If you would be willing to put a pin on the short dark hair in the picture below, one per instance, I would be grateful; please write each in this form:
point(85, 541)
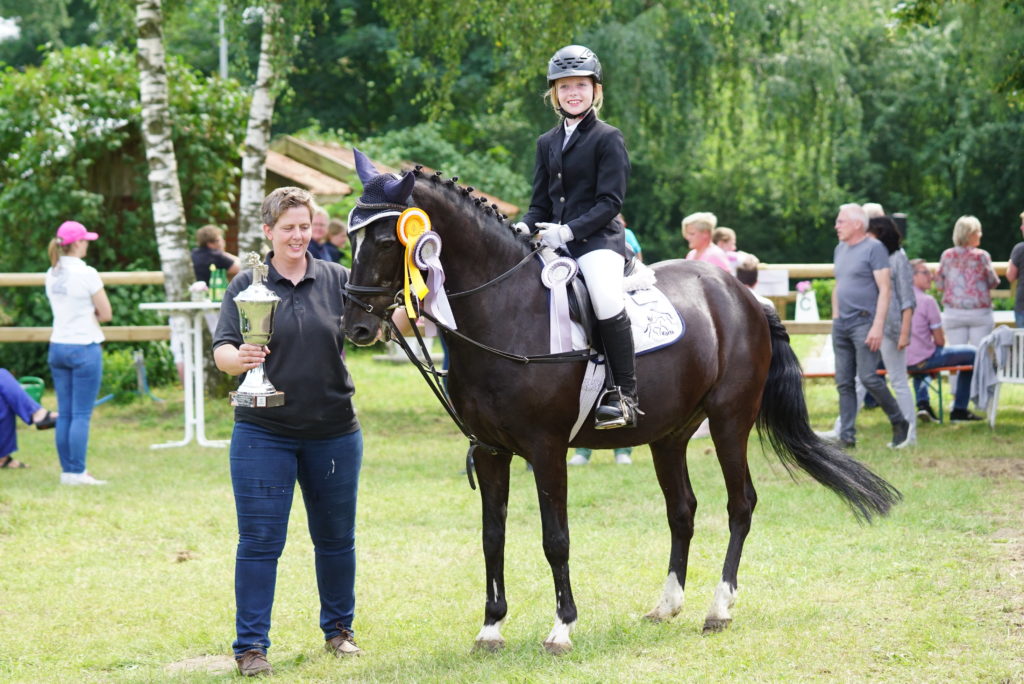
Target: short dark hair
point(884, 228)
point(746, 269)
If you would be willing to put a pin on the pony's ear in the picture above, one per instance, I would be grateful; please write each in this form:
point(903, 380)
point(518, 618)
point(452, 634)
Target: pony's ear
point(364, 167)
point(398, 191)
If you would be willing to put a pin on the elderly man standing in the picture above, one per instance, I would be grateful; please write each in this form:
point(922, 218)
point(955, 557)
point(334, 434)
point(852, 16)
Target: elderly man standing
point(860, 301)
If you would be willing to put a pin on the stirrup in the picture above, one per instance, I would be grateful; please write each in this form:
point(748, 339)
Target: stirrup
point(622, 410)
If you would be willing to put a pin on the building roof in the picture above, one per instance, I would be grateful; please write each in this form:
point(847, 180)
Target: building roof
point(325, 188)
point(344, 157)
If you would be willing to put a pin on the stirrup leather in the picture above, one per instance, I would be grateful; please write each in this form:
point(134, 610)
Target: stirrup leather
point(615, 410)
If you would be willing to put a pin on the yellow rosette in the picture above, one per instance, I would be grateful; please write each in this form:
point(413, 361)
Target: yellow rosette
point(412, 223)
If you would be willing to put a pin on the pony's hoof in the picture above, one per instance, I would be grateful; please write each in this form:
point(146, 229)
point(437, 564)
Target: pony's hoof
point(656, 616)
point(558, 648)
point(712, 625)
point(488, 645)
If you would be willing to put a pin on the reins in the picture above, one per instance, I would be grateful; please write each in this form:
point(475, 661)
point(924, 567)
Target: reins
point(370, 291)
point(435, 378)
point(498, 279)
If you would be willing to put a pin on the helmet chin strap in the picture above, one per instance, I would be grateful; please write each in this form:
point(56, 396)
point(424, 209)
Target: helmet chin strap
point(567, 115)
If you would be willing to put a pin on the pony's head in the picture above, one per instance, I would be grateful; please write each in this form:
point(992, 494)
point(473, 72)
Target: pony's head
point(476, 237)
point(376, 251)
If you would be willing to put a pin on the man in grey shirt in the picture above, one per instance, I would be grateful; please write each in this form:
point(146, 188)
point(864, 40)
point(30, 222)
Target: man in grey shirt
point(860, 301)
point(1015, 272)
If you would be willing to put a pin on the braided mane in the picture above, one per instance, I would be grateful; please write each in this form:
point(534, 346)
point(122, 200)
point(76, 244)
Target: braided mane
point(462, 195)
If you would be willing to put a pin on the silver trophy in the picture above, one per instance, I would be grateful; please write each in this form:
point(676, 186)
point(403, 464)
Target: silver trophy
point(256, 306)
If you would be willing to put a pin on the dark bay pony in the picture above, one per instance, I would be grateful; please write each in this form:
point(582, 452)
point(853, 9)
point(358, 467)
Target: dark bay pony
point(734, 365)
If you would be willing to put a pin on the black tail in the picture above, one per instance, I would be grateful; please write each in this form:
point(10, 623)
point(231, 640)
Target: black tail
point(783, 419)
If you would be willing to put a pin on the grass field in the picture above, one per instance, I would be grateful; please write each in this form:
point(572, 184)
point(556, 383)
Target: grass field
point(124, 582)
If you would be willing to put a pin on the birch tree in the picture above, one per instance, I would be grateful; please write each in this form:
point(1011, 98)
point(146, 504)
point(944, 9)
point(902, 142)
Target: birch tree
point(168, 207)
point(277, 45)
point(257, 136)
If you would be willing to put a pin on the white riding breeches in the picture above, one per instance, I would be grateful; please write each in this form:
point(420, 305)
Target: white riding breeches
point(602, 269)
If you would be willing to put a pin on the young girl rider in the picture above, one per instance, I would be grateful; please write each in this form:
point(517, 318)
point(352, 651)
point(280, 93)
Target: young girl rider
point(579, 184)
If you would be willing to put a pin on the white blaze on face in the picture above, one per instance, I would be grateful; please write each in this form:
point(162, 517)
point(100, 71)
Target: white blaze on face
point(354, 238)
point(725, 598)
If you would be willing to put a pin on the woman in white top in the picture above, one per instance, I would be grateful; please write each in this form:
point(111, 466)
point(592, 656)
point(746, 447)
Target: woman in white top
point(79, 304)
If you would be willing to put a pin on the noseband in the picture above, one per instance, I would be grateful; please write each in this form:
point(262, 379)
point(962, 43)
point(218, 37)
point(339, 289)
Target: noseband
point(353, 292)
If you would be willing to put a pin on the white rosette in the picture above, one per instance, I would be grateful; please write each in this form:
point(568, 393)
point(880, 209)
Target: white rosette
point(427, 257)
point(556, 276)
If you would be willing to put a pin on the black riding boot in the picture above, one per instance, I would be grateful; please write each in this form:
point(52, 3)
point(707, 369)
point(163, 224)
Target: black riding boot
point(618, 407)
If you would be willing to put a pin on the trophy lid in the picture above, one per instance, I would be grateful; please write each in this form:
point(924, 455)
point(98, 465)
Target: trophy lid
point(257, 290)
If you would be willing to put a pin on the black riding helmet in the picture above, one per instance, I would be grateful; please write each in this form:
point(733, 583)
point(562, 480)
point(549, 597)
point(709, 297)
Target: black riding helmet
point(574, 60)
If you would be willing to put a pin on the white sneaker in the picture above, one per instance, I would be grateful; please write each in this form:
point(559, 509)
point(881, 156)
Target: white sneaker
point(80, 479)
point(827, 434)
point(623, 459)
point(579, 459)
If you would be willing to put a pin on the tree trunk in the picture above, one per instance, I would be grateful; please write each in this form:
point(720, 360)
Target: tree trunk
point(168, 207)
point(257, 139)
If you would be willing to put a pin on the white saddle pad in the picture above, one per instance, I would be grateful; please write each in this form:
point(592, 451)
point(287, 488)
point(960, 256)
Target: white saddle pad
point(655, 323)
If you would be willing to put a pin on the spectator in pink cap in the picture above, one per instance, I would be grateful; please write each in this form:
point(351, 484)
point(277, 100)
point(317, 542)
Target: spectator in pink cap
point(79, 304)
point(73, 231)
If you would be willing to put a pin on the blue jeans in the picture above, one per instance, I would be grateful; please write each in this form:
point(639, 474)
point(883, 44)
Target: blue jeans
point(855, 360)
point(585, 452)
point(950, 355)
point(1018, 319)
point(264, 468)
point(77, 373)
point(14, 402)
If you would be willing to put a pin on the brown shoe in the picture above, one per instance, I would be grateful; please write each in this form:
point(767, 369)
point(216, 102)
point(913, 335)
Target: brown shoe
point(253, 663)
point(343, 645)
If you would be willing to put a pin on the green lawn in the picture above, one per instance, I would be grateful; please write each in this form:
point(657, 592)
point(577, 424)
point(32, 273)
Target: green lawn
point(118, 583)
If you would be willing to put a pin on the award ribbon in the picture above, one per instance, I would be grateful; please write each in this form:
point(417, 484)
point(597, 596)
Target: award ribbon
point(426, 257)
point(556, 276)
point(412, 223)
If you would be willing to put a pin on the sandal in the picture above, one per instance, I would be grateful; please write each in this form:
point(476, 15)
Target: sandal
point(48, 421)
point(9, 461)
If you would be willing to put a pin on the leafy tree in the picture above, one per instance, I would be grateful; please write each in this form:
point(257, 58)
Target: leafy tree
point(71, 147)
point(51, 23)
point(434, 37)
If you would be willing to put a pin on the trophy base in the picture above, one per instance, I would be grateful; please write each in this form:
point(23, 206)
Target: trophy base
point(246, 400)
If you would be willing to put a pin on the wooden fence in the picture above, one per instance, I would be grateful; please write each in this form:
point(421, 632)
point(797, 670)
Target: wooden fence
point(140, 333)
point(113, 333)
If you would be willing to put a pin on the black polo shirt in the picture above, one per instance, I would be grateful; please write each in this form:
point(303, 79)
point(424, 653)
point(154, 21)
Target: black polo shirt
point(305, 360)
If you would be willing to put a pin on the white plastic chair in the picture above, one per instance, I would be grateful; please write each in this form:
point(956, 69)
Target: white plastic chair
point(1011, 370)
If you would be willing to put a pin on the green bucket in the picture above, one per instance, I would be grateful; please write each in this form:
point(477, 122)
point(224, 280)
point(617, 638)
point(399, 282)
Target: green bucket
point(33, 386)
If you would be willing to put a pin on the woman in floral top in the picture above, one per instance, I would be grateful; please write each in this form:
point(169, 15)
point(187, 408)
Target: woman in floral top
point(965, 277)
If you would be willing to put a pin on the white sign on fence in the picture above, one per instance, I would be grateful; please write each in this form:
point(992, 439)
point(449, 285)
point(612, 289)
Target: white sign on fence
point(807, 306)
point(773, 283)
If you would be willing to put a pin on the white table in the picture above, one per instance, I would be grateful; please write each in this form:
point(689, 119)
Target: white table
point(195, 383)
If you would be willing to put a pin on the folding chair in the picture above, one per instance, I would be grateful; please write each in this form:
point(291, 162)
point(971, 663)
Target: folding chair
point(1011, 371)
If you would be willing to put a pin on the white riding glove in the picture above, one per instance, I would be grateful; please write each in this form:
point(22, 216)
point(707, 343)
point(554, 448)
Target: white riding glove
point(521, 228)
point(555, 235)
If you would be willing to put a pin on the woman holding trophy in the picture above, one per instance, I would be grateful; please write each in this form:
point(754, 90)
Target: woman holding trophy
point(300, 428)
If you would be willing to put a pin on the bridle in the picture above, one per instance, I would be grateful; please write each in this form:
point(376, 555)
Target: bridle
point(435, 378)
point(379, 291)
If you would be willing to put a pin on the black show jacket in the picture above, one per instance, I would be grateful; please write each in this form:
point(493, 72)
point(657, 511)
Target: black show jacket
point(582, 186)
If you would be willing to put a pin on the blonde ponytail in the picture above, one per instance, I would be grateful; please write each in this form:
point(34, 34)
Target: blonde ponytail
point(55, 251)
